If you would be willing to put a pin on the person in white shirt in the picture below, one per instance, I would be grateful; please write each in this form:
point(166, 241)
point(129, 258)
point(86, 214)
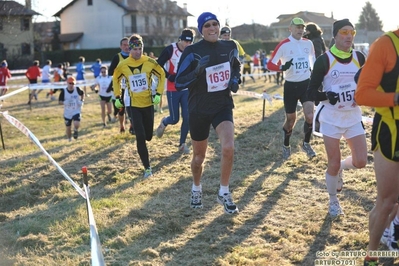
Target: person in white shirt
point(295, 55)
point(46, 75)
point(72, 98)
point(102, 82)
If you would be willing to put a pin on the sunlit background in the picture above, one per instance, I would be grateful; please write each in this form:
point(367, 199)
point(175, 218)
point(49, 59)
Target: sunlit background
point(252, 11)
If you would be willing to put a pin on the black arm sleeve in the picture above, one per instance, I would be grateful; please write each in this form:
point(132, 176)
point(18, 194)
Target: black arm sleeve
point(165, 55)
point(114, 63)
point(320, 69)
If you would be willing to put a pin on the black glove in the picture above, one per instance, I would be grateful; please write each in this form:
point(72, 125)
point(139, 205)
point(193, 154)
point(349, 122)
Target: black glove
point(287, 65)
point(233, 84)
point(110, 88)
point(332, 97)
point(202, 63)
point(172, 77)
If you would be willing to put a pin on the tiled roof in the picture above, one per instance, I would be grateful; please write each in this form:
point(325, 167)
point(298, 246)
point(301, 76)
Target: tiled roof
point(150, 6)
point(12, 8)
point(70, 37)
point(318, 18)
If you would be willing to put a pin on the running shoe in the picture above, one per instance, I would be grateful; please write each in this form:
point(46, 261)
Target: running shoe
point(394, 245)
point(340, 183)
point(109, 118)
point(161, 128)
point(196, 199)
point(147, 172)
point(122, 130)
point(335, 209)
point(286, 152)
point(183, 148)
point(386, 236)
point(75, 134)
point(308, 149)
point(227, 201)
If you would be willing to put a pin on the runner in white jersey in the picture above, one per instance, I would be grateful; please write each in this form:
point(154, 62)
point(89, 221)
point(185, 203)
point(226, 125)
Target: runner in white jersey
point(295, 55)
point(338, 114)
point(102, 83)
point(72, 98)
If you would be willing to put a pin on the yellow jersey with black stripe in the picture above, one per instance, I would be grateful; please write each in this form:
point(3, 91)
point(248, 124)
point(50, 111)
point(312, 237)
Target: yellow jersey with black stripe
point(139, 75)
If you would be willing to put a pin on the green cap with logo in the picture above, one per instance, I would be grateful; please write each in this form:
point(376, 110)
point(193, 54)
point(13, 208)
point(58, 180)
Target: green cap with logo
point(297, 21)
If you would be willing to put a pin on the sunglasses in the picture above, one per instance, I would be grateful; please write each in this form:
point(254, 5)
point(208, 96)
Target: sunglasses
point(71, 83)
point(346, 32)
point(208, 25)
point(103, 72)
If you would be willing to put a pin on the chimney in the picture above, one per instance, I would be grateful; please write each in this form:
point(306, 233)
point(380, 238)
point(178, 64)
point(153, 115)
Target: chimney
point(28, 4)
point(125, 3)
point(185, 6)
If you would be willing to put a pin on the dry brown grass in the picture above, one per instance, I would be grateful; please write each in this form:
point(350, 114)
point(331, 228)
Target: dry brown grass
point(283, 205)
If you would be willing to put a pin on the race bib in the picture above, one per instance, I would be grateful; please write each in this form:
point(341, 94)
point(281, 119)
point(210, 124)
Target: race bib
point(346, 92)
point(301, 63)
point(71, 105)
point(138, 83)
point(217, 77)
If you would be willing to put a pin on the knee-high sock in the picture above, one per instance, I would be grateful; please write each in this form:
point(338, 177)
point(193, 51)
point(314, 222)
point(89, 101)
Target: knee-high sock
point(331, 182)
point(307, 129)
point(287, 136)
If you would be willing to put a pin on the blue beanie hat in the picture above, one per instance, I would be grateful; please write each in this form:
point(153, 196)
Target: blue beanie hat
point(203, 18)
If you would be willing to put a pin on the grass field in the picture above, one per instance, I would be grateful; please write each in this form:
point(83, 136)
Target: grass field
point(283, 217)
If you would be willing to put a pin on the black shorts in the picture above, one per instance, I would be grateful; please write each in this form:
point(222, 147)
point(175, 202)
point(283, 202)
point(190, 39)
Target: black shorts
point(106, 99)
point(384, 135)
point(200, 124)
point(68, 122)
point(294, 91)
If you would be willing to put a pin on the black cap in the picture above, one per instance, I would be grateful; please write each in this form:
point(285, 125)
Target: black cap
point(339, 24)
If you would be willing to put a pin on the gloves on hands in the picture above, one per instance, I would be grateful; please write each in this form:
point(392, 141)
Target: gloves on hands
point(172, 78)
point(332, 97)
point(202, 63)
point(156, 99)
point(233, 84)
point(287, 65)
point(119, 103)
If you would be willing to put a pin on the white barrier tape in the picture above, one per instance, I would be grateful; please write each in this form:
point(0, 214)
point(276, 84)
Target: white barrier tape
point(60, 85)
point(53, 85)
point(97, 258)
point(90, 75)
point(14, 92)
point(16, 123)
point(263, 96)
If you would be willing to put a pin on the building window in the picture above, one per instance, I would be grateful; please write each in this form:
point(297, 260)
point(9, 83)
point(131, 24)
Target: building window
point(159, 23)
point(1, 23)
point(89, 2)
point(146, 24)
point(133, 24)
point(25, 48)
point(25, 23)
